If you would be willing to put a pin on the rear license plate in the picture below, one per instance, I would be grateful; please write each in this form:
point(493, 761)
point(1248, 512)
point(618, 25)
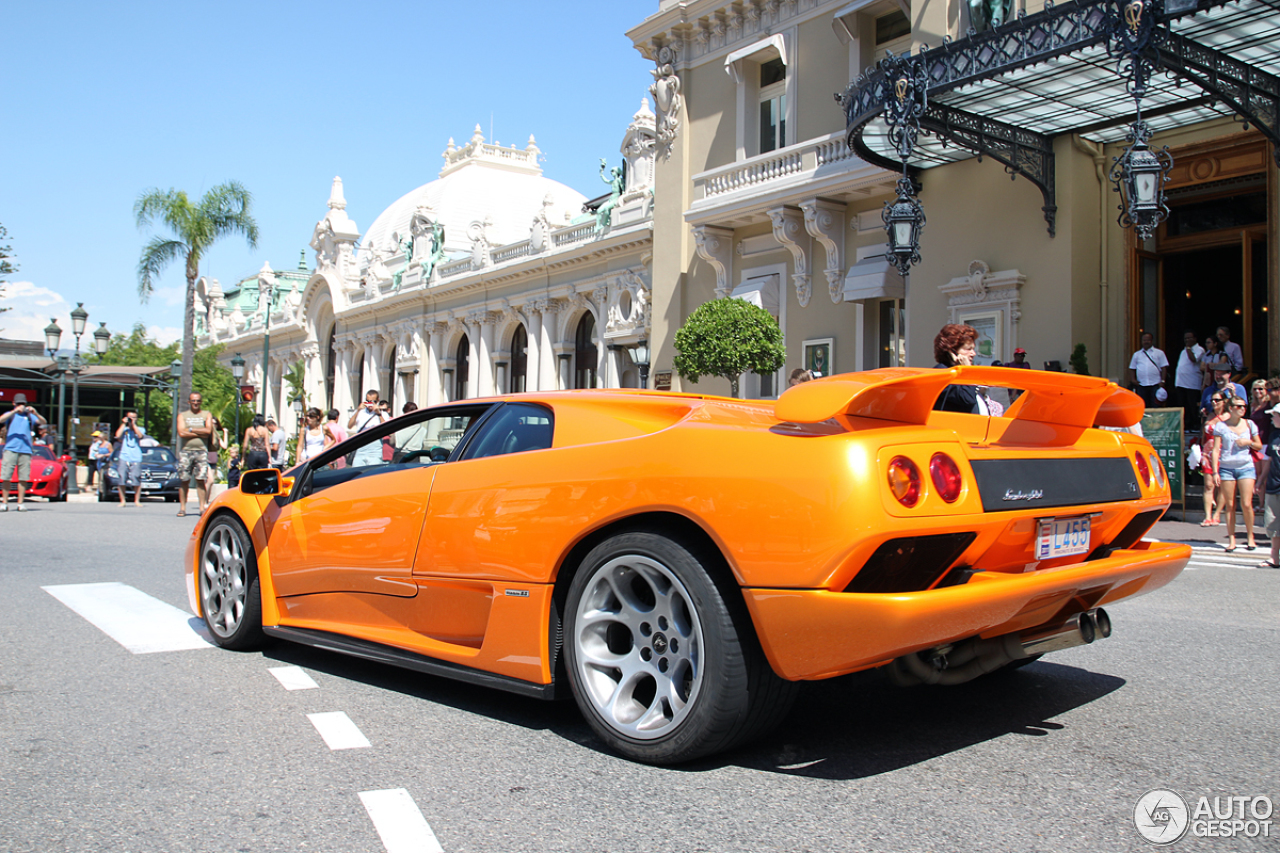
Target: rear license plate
point(152, 485)
point(1062, 537)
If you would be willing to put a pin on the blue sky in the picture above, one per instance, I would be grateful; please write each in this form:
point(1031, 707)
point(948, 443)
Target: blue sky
point(103, 102)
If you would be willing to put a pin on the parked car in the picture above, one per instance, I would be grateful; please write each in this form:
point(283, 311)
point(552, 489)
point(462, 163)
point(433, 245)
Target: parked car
point(49, 474)
point(680, 562)
point(158, 475)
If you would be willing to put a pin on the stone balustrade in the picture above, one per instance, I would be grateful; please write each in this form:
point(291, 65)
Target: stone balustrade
point(795, 162)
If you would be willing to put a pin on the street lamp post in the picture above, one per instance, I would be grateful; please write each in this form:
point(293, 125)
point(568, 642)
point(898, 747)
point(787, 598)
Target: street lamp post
point(175, 374)
point(639, 352)
point(299, 439)
point(274, 291)
point(52, 337)
point(237, 371)
point(78, 319)
point(101, 340)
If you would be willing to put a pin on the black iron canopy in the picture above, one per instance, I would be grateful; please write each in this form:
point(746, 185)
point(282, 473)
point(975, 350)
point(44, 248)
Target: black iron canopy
point(1007, 92)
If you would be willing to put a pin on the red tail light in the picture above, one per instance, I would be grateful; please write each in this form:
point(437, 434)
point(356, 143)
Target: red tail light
point(1144, 470)
point(904, 481)
point(945, 474)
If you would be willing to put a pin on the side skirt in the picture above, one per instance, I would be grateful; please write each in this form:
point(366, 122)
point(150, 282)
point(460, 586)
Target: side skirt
point(408, 660)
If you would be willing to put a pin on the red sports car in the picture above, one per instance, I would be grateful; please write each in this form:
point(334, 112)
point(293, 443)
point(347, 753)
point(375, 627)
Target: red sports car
point(48, 475)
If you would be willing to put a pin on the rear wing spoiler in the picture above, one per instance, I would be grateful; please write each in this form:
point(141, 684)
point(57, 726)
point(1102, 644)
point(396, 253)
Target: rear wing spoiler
point(907, 394)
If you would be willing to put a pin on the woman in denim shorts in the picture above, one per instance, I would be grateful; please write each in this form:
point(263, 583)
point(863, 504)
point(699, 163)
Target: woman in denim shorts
point(1233, 467)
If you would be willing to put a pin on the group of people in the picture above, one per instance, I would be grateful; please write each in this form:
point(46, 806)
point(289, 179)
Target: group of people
point(265, 444)
point(1240, 446)
point(1198, 369)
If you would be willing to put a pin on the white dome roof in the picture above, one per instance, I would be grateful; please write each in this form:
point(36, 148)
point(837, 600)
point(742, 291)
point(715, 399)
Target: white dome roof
point(480, 180)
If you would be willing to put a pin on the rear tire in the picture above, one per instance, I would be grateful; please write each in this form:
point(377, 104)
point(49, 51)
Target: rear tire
point(661, 656)
point(230, 598)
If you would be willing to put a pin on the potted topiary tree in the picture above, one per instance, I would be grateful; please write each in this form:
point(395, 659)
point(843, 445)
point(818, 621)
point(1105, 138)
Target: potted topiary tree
point(727, 338)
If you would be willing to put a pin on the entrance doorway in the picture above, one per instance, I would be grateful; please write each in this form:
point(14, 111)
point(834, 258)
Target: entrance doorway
point(1208, 267)
point(1209, 286)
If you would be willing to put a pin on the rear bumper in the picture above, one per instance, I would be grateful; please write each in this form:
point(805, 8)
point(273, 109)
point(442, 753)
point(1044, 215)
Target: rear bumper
point(811, 634)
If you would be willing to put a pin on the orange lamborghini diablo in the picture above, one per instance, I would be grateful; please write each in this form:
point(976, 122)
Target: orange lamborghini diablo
point(680, 562)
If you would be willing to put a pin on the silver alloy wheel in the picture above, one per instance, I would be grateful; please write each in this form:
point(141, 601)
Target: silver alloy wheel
point(639, 646)
point(224, 581)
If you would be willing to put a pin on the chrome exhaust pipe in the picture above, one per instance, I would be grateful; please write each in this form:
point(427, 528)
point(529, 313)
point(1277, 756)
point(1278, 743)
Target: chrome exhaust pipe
point(1103, 622)
point(1080, 630)
point(956, 663)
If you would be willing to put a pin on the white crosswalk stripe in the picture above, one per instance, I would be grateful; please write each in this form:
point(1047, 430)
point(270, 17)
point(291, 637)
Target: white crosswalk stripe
point(1217, 557)
point(141, 623)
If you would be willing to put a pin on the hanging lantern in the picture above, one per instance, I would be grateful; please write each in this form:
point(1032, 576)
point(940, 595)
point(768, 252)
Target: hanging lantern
point(903, 222)
point(1139, 175)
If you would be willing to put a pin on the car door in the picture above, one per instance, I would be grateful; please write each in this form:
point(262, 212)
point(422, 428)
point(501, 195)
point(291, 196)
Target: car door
point(354, 518)
point(489, 504)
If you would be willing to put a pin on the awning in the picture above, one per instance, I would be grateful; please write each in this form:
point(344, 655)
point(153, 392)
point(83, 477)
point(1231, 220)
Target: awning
point(873, 278)
point(42, 372)
point(1006, 93)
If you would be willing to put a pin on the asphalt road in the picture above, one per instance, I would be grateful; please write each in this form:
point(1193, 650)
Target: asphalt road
point(205, 750)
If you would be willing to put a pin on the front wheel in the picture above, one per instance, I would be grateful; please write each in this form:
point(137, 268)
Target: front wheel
point(659, 665)
point(229, 595)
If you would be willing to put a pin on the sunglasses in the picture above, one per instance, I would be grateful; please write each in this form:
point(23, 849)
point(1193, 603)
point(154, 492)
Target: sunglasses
point(1237, 405)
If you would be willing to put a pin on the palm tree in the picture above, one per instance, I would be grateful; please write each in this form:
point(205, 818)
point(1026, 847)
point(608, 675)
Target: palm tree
point(223, 210)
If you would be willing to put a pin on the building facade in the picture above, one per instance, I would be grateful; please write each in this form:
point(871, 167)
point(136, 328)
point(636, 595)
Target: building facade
point(763, 171)
point(489, 279)
point(770, 189)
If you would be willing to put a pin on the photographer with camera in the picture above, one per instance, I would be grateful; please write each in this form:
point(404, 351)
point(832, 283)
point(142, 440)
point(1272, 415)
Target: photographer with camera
point(22, 421)
point(367, 416)
point(129, 464)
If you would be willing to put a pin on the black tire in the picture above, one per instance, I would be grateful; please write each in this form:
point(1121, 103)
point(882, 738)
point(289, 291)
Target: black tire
point(660, 653)
point(230, 599)
point(102, 496)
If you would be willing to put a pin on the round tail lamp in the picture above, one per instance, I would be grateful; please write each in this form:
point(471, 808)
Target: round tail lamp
point(945, 474)
point(904, 481)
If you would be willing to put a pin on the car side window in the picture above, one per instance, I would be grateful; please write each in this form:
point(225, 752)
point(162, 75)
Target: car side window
point(420, 441)
point(516, 428)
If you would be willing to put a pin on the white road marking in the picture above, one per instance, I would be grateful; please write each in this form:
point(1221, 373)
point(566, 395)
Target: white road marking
point(338, 731)
point(293, 677)
point(399, 822)
point(1217, 557)
point(135, 620)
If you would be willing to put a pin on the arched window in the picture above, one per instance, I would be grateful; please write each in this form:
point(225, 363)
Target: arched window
point(330, 366)
point(462, 358)
point(519, 360)
point(585, 357)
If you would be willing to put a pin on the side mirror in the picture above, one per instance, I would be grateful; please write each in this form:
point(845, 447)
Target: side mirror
point(263, 481)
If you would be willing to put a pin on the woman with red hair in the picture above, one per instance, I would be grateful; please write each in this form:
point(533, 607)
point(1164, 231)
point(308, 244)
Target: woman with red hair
point(955, 346)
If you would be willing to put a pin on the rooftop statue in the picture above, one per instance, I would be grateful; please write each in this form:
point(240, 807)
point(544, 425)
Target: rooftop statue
point(404, 247)
point(988, 14)
point(617, 181)
point(427, 235)
point(377, 272)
